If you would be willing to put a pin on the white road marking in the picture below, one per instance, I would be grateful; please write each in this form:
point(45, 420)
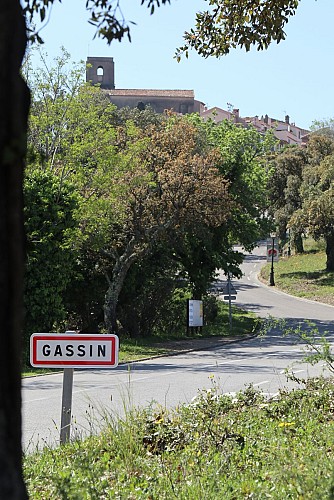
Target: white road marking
point(293, 371)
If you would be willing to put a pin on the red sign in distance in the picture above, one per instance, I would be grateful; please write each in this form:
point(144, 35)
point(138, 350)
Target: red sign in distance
point(55, 350)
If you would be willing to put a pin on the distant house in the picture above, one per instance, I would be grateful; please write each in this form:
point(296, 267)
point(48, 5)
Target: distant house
point(217, 114)
point(100, 70)
point(284, 131)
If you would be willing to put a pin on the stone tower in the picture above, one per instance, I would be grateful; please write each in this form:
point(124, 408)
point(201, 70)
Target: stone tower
point(101, 70)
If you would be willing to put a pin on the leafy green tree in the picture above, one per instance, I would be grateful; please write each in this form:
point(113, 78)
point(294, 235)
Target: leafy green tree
point(147, 291)
point(243, 163)
point(49, 221)
point(316, 215)
point(62, 108)
point(284, 191)
point(159, 195)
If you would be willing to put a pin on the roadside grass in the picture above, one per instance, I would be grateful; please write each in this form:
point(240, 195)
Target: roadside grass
point(218, 446)
point(304, 275)
point(132, 349)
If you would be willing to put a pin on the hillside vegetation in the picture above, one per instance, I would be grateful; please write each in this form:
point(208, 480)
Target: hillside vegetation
point(304, 275)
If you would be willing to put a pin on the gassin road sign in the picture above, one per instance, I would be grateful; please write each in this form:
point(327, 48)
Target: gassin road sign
point(55, 350)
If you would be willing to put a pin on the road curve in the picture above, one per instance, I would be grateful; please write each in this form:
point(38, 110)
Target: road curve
point(264, 300)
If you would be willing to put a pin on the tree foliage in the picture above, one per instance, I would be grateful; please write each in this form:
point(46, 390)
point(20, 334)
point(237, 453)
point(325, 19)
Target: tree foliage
point(161, 199)
point(243, 162)
point(49, 221)
point(284, 191)
point(106, 15)
point(228, 24)
point(316, 214)
point(301, 192)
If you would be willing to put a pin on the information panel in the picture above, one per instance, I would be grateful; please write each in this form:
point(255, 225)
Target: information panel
point(195, 312)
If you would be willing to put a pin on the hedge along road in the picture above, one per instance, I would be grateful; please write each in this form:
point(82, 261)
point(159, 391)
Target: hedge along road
point(174, 379)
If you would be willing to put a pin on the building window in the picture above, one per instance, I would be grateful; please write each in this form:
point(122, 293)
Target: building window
point(184, 109)
point(99, 74)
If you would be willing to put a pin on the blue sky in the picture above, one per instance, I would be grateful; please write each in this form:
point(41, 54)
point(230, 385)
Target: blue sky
point(295, 77)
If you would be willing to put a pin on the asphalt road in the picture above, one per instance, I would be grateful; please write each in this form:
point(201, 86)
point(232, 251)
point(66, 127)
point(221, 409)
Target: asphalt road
point(268, 301)
point(167, 381)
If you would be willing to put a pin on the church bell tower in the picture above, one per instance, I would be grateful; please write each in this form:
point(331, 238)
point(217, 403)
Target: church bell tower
point(100, 70)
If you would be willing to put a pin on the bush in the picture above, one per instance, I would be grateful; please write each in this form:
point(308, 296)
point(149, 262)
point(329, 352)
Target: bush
point(50, 267)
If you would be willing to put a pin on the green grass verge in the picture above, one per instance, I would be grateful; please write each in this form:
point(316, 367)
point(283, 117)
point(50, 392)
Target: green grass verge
point(243, 323)
point(216, 447)
point(303, 275)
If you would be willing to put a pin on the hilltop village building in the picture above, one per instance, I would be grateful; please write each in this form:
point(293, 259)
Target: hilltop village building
point(101, 71)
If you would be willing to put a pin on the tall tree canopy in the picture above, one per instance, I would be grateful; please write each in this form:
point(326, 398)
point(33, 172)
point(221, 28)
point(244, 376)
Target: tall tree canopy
point(315, 215)
point(284, 191)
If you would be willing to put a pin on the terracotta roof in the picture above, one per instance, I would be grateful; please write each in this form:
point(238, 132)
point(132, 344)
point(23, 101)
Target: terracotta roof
point(151, 93)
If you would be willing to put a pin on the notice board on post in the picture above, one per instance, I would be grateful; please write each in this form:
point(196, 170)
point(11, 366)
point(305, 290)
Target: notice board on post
point(195, 313)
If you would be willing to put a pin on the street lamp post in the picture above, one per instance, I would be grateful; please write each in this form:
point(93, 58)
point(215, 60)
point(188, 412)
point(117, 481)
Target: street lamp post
point(271, 276)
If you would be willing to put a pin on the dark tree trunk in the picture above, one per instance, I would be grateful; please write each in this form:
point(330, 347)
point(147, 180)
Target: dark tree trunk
point(282, 233)
point(330, 252)
point(115, 284)
point(297, 242)
point(110, 305)
point(14, 105)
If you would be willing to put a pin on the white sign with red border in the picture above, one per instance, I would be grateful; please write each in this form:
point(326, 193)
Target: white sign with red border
point(56, 350)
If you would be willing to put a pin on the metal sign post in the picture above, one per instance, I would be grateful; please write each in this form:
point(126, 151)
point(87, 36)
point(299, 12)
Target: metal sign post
point(66, 403)
point(229, 284)
point(272, 256)
point(231, 294)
